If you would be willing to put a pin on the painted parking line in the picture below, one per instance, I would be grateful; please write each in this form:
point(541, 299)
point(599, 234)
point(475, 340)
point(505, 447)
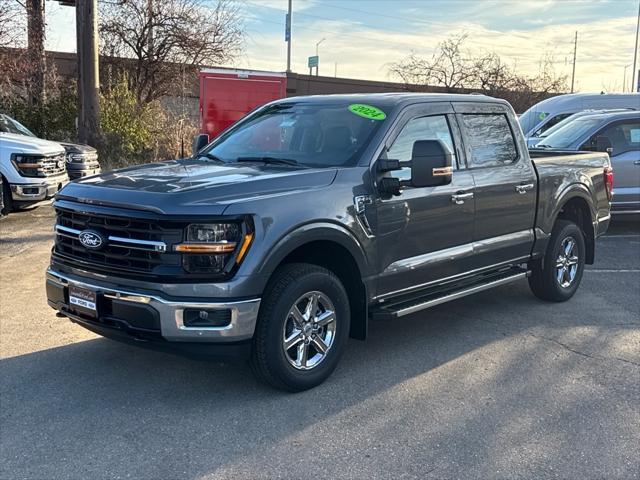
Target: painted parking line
point(611, 270)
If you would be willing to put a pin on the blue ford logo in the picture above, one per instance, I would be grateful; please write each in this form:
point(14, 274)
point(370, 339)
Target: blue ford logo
point(91, 240)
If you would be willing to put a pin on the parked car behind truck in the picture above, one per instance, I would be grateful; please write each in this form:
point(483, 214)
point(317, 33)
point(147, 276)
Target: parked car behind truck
point(32, 170)
point(286, 234)
point(544, 115)
point(616, 133)
point(82, 160)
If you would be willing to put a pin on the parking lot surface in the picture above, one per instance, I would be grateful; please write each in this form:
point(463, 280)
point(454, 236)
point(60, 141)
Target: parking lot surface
point(496, 385)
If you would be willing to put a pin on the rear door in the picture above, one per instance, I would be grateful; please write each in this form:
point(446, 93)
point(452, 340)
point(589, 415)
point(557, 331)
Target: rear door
point(505, 184)
point(422, 234)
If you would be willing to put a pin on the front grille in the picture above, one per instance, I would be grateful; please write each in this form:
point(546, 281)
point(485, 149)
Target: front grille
point(132, 245)
point(51, 166)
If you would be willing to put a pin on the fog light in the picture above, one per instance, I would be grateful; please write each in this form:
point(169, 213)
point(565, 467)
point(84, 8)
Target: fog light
point(206, 318)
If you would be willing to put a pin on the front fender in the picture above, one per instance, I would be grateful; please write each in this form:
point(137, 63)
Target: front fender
point(317, 231)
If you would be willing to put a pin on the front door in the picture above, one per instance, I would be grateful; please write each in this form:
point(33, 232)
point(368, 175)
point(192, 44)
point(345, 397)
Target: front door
point(424, 234)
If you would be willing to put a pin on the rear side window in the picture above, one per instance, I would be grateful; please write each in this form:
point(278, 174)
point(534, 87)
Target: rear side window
point(490, 140)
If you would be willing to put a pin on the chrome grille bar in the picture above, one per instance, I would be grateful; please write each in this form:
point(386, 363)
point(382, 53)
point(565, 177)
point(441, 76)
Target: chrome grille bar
point(135, 244)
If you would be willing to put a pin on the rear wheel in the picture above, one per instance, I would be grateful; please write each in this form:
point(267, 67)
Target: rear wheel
point(557, 276)
point(302, 328)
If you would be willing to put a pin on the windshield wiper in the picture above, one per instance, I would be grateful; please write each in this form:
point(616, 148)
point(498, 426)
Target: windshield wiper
point(271, 160)
point(542, 145)
point(210, 156)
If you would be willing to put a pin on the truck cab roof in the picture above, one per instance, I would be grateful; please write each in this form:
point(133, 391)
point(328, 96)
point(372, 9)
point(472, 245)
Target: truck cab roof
point(392, 99)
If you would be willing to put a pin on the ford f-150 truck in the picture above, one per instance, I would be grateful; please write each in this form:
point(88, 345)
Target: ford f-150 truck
point(292, 229)
point(32, 170)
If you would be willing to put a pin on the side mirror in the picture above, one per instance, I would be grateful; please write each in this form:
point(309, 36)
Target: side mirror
point(603, 144)
point(431, 163)
point(199, 143)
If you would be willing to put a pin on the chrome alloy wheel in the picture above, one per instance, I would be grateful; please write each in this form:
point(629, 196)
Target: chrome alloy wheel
point(309, 330)
point(567, 262)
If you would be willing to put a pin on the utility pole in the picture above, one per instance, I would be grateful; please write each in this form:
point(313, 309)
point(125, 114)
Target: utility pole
point(318, 65)
point(575, 49)
point(287, 37)
point(635, 55)
point(35, 51)
point(88, 76)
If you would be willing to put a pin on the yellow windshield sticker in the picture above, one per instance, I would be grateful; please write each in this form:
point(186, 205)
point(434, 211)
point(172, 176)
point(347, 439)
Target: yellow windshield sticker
point(367, 111)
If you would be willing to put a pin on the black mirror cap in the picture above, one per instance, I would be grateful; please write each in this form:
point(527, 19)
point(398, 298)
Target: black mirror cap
point(431, 164)
point(603, 144)
point(199, 142)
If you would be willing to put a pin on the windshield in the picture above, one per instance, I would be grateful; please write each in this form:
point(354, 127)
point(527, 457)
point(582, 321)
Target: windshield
point(9, 125)
point(570, 133)
point(310, 135)
point(531, 118)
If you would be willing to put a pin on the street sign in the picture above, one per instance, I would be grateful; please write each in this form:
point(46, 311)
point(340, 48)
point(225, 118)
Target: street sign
point(313, 61)
point(287, 28)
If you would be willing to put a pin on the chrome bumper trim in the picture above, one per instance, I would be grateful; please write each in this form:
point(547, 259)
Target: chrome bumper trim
point(244, 314)
point(45, 190)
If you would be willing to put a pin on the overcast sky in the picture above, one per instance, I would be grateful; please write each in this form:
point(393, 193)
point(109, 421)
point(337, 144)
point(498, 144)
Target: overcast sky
point(364, 36)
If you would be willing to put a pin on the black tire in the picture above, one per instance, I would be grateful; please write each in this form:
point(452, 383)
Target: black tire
point(290, 286)
point(6, 203)
point(546, 281)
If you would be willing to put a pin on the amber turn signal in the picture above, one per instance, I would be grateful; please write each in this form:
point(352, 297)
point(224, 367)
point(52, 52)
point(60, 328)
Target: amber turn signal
point(226, 247)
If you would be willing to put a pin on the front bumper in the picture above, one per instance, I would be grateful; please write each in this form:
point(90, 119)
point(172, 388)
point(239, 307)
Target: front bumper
point(40, 191)
point(150, 317)
point(81, 170)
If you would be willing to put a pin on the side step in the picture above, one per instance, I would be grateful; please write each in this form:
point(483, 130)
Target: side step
point(400, 308)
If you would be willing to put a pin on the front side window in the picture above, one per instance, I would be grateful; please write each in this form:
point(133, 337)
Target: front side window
point(624, 136)
point(305, 134)
point(490, 140)
point(422, 128)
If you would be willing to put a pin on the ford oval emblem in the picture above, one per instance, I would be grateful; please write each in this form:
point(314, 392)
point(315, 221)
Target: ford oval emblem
point(91, 239)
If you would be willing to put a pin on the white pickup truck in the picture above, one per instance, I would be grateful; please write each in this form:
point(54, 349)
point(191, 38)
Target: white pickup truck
point(32, 171)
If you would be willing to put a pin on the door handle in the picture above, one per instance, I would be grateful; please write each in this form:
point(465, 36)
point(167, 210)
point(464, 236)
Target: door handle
point(459, 197)
point(524, 187)
point(637, 162)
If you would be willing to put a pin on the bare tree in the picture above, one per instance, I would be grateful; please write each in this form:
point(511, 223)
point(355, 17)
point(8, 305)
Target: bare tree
point(12, 27)
point(154, 39)
point(457, 70)
point(449, 67)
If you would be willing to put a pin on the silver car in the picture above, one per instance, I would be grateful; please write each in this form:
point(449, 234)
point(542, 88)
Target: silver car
point(616, 133)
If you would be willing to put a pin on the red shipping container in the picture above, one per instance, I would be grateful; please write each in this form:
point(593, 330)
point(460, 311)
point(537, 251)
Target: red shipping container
point(226, 95)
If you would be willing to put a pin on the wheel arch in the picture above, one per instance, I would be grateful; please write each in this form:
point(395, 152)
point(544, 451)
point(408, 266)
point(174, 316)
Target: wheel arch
point(575, 206)
point(334, 248)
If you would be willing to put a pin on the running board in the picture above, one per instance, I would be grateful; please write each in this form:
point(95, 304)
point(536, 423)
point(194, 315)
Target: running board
point(400, 309)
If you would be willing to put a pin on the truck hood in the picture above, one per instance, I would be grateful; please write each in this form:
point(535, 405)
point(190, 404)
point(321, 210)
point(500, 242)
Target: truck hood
point(193, 187)
point(25, 144)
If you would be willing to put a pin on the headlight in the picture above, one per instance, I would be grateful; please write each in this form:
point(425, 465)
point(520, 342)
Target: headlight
point(214, 247)
point(28, 165)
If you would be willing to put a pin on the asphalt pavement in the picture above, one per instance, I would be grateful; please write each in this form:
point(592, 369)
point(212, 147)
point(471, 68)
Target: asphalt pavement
point(496, 385)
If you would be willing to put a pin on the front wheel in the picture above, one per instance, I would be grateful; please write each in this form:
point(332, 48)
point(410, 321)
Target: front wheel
point(6, 202)
point(302, 328)
point(557, 276)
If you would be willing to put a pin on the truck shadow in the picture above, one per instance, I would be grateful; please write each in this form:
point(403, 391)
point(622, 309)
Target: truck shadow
point(468, 373)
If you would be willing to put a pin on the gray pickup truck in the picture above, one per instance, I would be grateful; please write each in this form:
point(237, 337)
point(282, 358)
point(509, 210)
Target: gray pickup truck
point(285, 235)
